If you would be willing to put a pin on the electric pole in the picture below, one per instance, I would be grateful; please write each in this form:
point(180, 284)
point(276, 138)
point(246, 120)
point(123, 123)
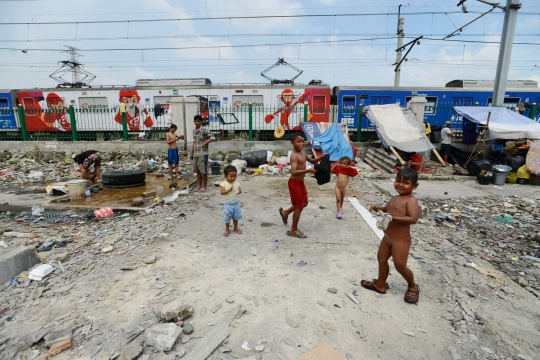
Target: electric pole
point(401, 35)
point(79, 76)
point(505, 51)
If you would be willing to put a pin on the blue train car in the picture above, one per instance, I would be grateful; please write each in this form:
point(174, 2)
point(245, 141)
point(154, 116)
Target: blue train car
point(439, 101)
point(8, 120)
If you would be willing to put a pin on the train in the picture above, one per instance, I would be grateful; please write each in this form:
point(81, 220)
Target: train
point(225, 106)
point(455, 93)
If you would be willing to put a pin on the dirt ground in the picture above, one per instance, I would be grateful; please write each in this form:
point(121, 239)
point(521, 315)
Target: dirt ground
point(288, 305)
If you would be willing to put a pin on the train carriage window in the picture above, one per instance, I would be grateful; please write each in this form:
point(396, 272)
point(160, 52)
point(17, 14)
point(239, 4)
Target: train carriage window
point(348, 104)
point(29, 103)
point(319, 104)
point(509, 102)
point(4, 103)
point(162, 100)
point(380, 100)
point(431, 104)
point(93, 103)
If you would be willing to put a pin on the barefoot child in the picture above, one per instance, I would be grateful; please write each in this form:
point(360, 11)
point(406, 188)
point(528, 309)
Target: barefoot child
point(396, 242)
point(297, 188)
point(171, 139)
point(199, 152)
point(230, 188)
point(343, 170)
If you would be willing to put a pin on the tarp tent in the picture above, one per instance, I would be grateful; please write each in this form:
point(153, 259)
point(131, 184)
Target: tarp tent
point(330, 138)
point(503, 123)
point(398, 128)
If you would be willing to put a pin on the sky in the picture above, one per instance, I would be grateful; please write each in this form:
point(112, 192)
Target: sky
point(351, 43)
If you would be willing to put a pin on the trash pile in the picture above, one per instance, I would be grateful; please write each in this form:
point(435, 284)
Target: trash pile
point(54, 168)
point(79, 262)
point(503, 231)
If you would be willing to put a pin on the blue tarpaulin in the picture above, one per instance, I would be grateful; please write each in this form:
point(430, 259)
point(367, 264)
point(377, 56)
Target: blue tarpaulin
point(333, 142)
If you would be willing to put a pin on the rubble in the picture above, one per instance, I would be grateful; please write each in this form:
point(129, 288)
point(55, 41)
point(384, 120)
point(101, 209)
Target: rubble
point(162, 336)
point(110, 301)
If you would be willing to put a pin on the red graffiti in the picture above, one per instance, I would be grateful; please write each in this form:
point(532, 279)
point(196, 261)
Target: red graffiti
point(134, 109)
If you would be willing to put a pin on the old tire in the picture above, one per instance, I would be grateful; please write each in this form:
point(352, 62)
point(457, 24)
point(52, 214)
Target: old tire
point(123, 178)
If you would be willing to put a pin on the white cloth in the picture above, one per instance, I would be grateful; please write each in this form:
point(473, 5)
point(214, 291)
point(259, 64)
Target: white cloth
point(445, 136)
point(383, 219)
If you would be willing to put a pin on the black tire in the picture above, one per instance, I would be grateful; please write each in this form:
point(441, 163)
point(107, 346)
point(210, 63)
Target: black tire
point(123, 177)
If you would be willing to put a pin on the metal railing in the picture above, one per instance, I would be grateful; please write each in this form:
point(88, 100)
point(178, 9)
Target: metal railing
point(247, 123)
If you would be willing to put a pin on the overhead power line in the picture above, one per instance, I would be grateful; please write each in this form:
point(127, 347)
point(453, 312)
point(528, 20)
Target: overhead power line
point(154, 37)
point(242, 18)
point(306, 43)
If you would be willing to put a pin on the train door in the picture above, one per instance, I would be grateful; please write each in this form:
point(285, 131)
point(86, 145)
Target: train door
point(33, 112)
point(7, 113)
point(214, 106)
point(163, 111)
point(459, 101)
point(348, 110)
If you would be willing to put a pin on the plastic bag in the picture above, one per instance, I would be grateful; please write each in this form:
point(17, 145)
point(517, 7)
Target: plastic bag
point(478, 164)
point(37, 210)
point(515, 162)
point(255, 158)
point(435, 136)
point(240, 165)
point(104, 213)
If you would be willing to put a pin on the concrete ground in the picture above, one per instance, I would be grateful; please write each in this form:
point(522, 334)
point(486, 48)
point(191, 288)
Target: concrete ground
point(289, 305)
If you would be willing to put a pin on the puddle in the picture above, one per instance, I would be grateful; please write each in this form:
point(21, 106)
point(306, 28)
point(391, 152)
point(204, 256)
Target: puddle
point(122, 198)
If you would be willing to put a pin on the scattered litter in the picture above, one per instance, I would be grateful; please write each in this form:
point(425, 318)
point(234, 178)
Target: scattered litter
point(408, 333)
point(40, 272)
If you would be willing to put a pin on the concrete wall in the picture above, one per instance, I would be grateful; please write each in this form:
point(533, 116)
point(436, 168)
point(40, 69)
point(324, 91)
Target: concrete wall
point(185, 126)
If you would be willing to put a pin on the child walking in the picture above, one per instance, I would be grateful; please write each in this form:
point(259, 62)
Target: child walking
point(404, 211)
point(230, 189)
point(173, 157)
point(297, 188)
point(343, 170)
point(199, 152)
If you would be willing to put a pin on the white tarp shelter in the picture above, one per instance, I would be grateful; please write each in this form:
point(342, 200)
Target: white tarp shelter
point(398, 128)
point(503, 123)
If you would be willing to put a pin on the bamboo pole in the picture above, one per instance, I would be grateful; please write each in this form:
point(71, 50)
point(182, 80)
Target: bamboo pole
point(439, 157)
point(485, 133)
point(402, 162)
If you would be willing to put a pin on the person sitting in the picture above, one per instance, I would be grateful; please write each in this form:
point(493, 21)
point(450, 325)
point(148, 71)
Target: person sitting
point(85, 160)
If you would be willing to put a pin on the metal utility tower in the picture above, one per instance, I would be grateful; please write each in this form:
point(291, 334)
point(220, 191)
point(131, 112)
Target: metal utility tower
point(505, 51)
point(79, 76)
point(400, 34)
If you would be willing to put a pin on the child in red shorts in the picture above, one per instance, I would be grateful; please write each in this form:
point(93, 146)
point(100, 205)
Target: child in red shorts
point(297, 188)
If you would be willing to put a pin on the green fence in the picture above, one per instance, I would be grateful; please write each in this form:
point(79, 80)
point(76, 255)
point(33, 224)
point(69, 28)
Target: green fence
point(252, 123)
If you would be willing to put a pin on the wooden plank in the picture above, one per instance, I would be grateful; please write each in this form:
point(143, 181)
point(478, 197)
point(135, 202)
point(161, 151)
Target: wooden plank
point(439, 157)
point(209, 343)
point(323, 351)
point(367, 217)
point(401, 161)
